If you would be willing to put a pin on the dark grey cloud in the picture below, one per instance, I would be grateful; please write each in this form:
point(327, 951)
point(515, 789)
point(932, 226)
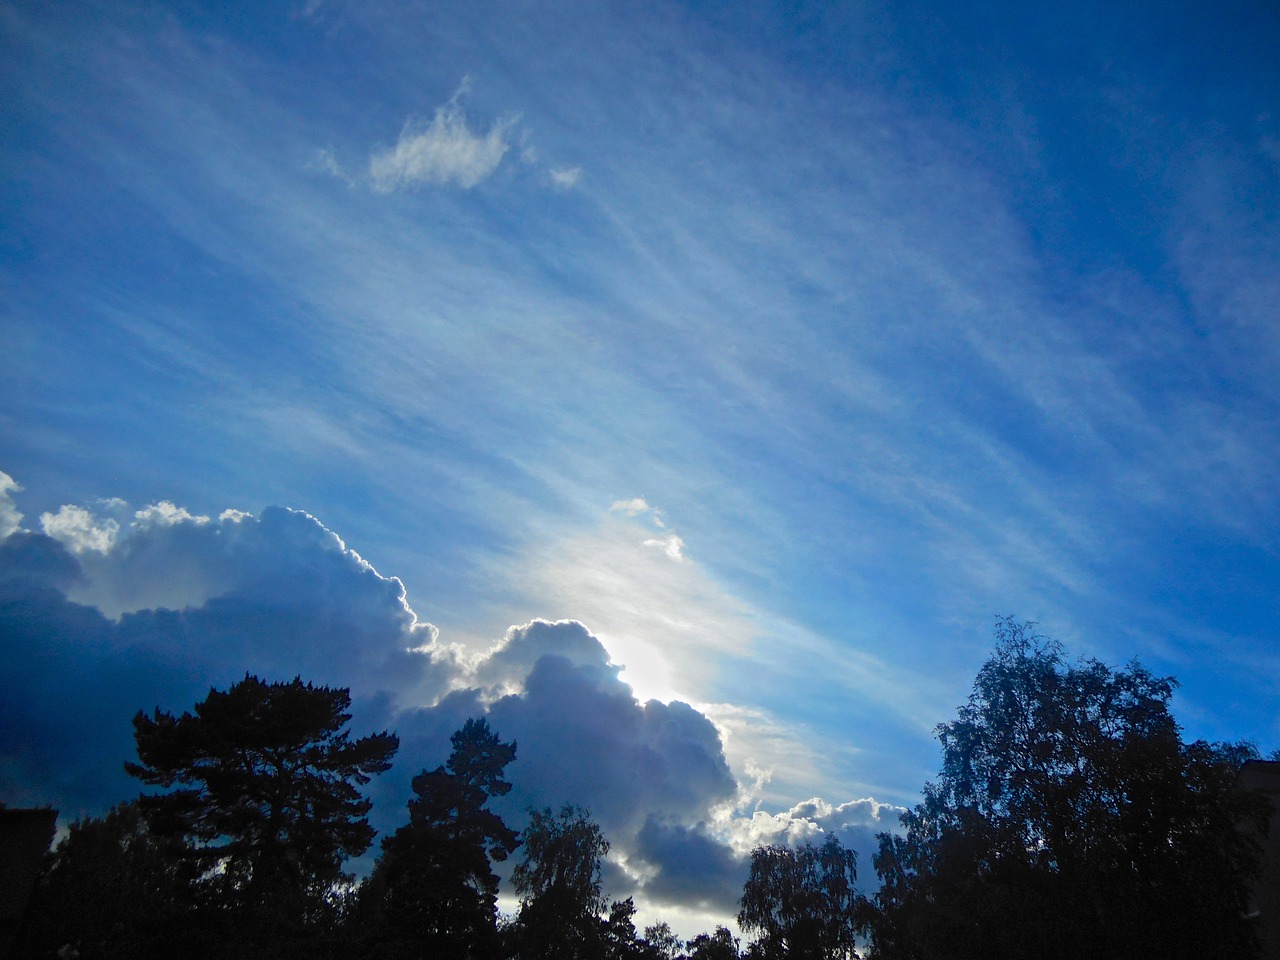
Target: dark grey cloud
point(294, 601)
point(37, 561)
point(585, 738)
point(72, 686)
point(196, 603)
point(694, 868)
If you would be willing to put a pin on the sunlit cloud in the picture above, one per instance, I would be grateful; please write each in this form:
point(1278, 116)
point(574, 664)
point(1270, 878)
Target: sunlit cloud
point(678, 633)
point(650, 613)
point(444, 151)
point(10, 518)
point(167, 514)
point(671, 545)
point(79, 530)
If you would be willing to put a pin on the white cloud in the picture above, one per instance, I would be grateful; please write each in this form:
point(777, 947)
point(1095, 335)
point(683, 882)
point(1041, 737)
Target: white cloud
point(565, 177)
point(10, 518)
point(166, 514)
point(79, 530)
point(671, 545)
point(746, 833)
point(630, 507)
point(443, 151)
point(637, 506)
point(528, 152)
point(865, 812)
point(506, 665)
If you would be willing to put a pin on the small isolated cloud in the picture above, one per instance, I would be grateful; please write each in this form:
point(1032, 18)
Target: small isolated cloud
point(635, 505)
point(444, 151)
point(671, 545)
point(79, 530)
point(10, 518)
point(324, 161)
point(565, 177)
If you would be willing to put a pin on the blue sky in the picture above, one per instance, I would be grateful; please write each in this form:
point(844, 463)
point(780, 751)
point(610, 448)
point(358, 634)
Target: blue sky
point(783, 346)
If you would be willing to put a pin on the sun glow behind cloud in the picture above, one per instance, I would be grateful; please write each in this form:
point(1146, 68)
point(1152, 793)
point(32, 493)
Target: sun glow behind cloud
point(679, 634)
point(655, 610)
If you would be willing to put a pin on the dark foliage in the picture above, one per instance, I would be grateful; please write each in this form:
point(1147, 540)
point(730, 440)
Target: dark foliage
point(558, 880)
point(1069, 820)
point(801, 902)
point(112, 890)
point(721, 945)
point(433, 891)
point(263, 781)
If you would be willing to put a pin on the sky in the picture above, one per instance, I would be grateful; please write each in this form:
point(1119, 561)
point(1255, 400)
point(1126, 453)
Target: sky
point(685, 387)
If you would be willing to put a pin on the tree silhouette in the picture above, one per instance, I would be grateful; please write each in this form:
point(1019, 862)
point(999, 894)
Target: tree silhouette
point(662, 941)
point(801, 901)
point(263, 779)
point(112, 890)
point(433, 890)
point(558, 880)
point(1069, 820)
point(720, 945)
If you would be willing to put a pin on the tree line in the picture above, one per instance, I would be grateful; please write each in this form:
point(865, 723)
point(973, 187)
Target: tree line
point(1069, 820)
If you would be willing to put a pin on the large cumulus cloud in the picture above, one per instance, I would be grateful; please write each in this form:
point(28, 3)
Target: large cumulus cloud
point(276, 595)
point(582, 735)
point(110, 610)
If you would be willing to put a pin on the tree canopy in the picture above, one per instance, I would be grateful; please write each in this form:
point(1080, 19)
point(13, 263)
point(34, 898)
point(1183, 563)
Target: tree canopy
point(720, 945)
point(434, 886)
point(112, 890)
point(558, 881)
point(264, 779)
point(1069, 820)
point(801, 901)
